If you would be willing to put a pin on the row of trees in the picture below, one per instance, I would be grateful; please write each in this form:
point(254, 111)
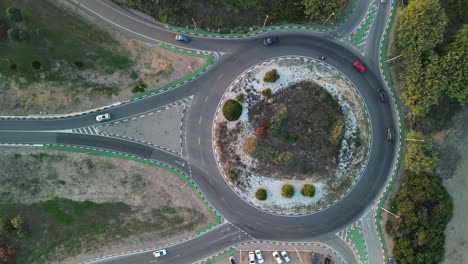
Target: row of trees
point(423, 205)
point(287, 191)
point(429, 70)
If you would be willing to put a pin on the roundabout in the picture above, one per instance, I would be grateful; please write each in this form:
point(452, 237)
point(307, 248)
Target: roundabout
point(242, 221)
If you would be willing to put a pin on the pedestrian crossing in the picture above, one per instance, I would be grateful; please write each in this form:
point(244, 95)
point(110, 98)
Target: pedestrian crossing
point(91, 130)
point(344, 232)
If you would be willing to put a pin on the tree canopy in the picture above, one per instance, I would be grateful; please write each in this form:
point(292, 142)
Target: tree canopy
point(418, 157)
point(322, 10)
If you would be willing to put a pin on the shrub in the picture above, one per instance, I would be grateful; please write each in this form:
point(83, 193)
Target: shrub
point(17, 222)
point(13, 66)
point(260, 130)
point(17, 34)
point(276, 120)
point(261, 194)
point(287, 190)
point(266, 93)
point(14, 14)
point(79, 64)
point(36, 65)
point(240, 98)
point(308, 190)
point(5, 225)
point(232, 110)
point(250, 145)
point(286, 158)
point(271, 76)
point(139, 87)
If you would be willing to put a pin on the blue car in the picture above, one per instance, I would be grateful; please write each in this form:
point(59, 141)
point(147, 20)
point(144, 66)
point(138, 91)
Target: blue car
point(270, 41)
point(182, 38)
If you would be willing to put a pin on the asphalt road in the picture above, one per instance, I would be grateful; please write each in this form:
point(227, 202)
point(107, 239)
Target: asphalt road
point(238, 55)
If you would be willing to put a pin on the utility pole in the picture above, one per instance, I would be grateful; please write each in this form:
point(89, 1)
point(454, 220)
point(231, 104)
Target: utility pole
point(264, 23)
point(412, 139)
point(194, 24)
point(396, 216)
point(190, 67)
point(396, 57)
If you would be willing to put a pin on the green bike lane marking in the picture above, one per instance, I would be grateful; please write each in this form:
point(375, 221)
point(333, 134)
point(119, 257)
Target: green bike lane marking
point(359, 35)
point(178, 173)
point(356, 237)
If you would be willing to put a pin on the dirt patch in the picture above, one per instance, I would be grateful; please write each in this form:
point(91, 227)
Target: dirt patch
point(452, 147)
point(34, 177)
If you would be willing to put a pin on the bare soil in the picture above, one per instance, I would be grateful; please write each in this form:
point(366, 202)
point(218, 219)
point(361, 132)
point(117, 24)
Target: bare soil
point(92, 88)
point(33, 175)
point(311, 116)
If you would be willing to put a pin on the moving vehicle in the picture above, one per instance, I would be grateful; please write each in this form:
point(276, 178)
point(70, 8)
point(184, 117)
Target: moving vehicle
point(251, 257)
point(390, 134)
point(277, 257)
point(315, 258)
point(359, 67)
point(328, 260)
point(103, 117)
point(232, 260)
point(182, 38)
point(159, 253)
point(260, 259)
point(270, 41)
point(285, 256)
point(391, 260)
point(382, 95)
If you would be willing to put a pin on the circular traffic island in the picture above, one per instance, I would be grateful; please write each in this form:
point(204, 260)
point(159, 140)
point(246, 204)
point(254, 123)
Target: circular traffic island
point(291, 135)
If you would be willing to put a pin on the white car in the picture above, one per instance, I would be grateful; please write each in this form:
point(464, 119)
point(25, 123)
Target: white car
point(277, 257)
point(285, 256)
point(258, 253)
point(159, 253)
point(103, 117)
point(251, 257)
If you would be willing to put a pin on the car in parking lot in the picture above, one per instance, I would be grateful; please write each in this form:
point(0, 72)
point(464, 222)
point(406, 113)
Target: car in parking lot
point(182, 38)
point(232, 260)
point(359, 67)
point(159, 253)
point(251, 257)
point(270, 41)
point(390, 134)
point(382, 95)
point(285, 256)
point(277, 257)
point(103, 117)
point(260, 259)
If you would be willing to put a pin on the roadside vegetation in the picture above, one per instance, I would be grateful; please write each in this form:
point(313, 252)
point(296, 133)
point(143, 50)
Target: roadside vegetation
point(227, 16)
point(432, 49)
point(58, 60)
point(66, 206)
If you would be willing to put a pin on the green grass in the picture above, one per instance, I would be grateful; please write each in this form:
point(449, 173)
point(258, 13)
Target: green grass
point(358, 241)
point(56, 36)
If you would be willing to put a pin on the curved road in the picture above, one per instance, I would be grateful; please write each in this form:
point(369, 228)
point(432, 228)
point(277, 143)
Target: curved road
point(243, 221)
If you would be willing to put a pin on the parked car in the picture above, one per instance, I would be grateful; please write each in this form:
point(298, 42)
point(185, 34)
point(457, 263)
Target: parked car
point(285, 256)
point(251, 257)
point(182, 38)
point(328, 260)
point(391, 260)
point(359, 67)
point(277, 257)
point(103, 117)
point(382, 95)
point(390, 134)
point(315, 258)
point(270, 41)
point(260, 259)
point(159, 253)
point(232, 260)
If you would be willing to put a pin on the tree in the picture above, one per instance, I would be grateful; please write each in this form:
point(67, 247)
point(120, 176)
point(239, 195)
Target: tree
point(421, 27)
point(5, 225)
point(271, 76)
point(17, 34)
point(261, 194)
point(323, 10)
point(308, 190)
point(14, 14)
point(418, 157)
point(17, 222)
point(455, 67)
point(232, 110)
point(287, 190)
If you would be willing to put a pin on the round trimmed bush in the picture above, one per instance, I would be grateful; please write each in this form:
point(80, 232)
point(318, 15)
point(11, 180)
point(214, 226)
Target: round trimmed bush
point(261, 194)
point(308, 190)
point(79, 64)
point(287, 190)
point(266, 93)
point(271, 76)
point(232, 110)
point(36, 65)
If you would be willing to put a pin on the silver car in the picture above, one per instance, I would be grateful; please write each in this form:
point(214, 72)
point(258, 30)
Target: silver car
point(103, 117)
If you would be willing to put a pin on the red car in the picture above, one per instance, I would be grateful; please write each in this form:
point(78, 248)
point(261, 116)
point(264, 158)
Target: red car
point(359, 67)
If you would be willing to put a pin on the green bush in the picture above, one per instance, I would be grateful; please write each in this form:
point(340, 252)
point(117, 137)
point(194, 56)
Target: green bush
point(17, 35)
point(271, 76)
point(139, 87)
point(232, 110)
point(17, 222)
point(240, 98)
point(266, 93)
point(79, 64)
point(14, 14)
point(261, 194)
point(308, 190)
point(287, 190)
point(36, 65)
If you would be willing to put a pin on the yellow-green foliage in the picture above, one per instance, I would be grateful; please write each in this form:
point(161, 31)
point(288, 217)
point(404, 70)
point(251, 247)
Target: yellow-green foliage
point(337, 133)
